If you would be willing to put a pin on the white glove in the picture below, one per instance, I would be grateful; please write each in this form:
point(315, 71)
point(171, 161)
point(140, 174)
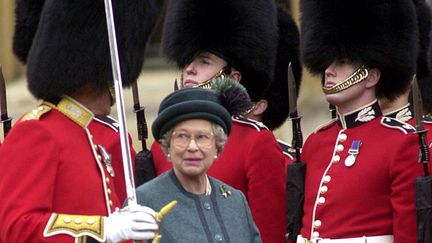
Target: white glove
point(131, 223)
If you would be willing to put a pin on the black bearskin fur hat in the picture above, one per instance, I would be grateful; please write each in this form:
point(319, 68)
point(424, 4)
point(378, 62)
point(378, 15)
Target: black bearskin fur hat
point(378, 33)
point(287, 51)
point(71, 49)
point(243, 32)
point(27, 14)
point(424, 59)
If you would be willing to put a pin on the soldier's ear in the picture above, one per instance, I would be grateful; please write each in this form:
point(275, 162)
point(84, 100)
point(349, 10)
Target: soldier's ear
point(236, 75)
point(373, 77)
point(260, 107)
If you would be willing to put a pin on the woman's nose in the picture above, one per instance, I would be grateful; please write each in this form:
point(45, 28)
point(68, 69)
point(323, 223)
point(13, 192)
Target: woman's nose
point(192, 145)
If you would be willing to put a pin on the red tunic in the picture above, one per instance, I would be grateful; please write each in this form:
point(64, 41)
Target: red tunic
point(105, 132)
point(52, 178)
point(252, 162)
point(374, 196)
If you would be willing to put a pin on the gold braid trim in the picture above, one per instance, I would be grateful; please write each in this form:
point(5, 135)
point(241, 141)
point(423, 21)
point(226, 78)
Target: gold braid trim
point(206, 84)
point(37, 113)
point(76, 226)
point(165, 210)
point(359, 75)
point(75, 111)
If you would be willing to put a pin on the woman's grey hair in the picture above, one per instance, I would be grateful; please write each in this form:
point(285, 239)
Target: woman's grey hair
point(219, 134)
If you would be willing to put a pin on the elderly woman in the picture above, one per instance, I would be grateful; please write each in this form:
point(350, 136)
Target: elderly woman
point(192, 127)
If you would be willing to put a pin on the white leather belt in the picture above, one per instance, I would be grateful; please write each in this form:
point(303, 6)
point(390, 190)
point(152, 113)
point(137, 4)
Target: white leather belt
point(364, 239)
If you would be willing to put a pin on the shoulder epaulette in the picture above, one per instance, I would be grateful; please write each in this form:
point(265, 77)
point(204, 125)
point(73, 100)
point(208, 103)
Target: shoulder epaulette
point(256, 124)
point(108, 121)
point(286, 149)
point(37, 113)
point(396, 124)
point(325, 125)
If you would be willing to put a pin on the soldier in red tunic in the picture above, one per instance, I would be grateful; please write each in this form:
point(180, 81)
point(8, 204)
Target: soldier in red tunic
point(58, 182)
point(241, 45)
point(360, 167)
point(400, 108)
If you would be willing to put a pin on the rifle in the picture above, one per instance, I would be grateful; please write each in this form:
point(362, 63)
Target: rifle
point(4, 118)
point(144, 168)
point(423, 184)
point(295, 171)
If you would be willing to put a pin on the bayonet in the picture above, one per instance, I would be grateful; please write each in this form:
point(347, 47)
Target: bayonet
point(140, 115)
point(4, 118)
point(125, 147)
point(419, 125)
point(144, 168)
point(297, 140)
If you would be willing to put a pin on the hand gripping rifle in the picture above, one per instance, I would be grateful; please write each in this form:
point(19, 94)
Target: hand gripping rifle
point(125, 147)
point(295, 171)
point(4, 118)
point(144, 168)
point(423, 184)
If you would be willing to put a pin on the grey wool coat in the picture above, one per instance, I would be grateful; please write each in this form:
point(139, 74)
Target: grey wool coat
point(218, 217)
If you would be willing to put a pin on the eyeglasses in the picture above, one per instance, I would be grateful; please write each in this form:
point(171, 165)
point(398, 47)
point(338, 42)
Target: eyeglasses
point(183, 139)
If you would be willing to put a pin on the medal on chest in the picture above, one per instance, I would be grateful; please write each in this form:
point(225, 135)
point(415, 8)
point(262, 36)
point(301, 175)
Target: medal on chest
point(353, 152)
point(106, 159)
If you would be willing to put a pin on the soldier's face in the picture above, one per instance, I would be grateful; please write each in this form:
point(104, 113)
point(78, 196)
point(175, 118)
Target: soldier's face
point(336, 73)
point(202, 68)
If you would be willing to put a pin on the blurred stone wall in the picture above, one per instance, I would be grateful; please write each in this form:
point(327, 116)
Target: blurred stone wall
point(10, 65)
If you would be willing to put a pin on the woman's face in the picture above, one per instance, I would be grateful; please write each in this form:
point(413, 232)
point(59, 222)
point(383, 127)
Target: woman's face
point(192, 147)
point(202, 68)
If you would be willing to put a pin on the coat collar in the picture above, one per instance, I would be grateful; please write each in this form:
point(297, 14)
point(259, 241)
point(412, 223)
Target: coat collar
point(360, 116)
point(403, 113)
point(74, 111)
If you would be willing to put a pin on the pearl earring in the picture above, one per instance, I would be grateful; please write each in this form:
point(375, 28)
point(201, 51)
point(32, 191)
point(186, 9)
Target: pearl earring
point(215, 156)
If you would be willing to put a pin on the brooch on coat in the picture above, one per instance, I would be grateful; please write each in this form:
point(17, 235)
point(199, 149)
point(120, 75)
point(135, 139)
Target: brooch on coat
point(106, 158)
point(224, 192)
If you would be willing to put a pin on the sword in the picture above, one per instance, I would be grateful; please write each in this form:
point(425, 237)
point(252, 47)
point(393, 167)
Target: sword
point(125, 148)
point(4, 118)
point(297, 139)
point(420, 129)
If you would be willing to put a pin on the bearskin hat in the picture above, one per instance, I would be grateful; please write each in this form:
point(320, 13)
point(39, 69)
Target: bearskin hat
point(27, 14)
point(424, 59)
point(71, 49)
point(287, 51)
point(377, 33)
point(242, 32)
